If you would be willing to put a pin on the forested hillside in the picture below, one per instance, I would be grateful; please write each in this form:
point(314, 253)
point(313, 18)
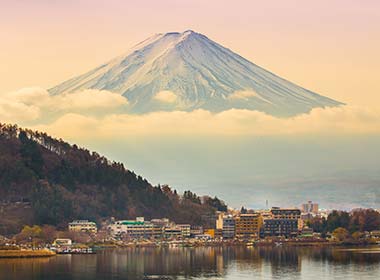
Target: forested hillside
point(48, 181)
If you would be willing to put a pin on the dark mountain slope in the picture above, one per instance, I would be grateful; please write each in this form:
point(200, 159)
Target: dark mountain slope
point(61, 182)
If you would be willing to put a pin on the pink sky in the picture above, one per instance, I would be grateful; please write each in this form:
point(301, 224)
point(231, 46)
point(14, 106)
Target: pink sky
point(329, 46)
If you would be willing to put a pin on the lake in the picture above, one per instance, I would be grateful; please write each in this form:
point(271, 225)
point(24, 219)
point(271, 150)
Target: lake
point(202, 263)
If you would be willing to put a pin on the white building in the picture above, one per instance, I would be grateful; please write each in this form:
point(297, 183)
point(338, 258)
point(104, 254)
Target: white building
point(62, 242)
point(136, 229)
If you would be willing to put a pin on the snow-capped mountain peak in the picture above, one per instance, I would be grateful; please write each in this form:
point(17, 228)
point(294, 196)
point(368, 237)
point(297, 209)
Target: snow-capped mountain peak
point(187, 71)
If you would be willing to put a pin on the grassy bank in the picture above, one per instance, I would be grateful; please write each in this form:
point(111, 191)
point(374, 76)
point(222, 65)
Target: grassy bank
point(26, 253)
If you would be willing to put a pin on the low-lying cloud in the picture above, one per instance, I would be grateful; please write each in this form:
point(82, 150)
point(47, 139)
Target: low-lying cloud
point(29, 104)
point(11, 111)
point(342, 120)
point(76, 119)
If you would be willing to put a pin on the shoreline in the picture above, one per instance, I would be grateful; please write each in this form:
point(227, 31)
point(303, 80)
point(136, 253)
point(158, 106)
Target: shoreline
point(44, 253)
point(277, 243)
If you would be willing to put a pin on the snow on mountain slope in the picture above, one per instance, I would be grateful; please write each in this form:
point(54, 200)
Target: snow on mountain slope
point(187, 71)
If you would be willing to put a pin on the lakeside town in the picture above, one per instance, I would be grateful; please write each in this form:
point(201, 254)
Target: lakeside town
point(304, 226)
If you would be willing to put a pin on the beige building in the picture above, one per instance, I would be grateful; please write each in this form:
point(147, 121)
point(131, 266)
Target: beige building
point(62, 242)
point(247, 226)
point(185, 229)
point(83, 226)
point(219, 220)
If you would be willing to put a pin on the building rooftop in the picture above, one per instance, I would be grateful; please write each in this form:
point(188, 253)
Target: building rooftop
point(132, 223)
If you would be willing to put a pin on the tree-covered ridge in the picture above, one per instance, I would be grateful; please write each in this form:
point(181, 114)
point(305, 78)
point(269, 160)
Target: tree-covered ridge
point(358, 220)
point(64, 182)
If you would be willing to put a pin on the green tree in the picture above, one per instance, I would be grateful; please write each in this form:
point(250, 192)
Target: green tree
point(192, 197)
point(318, 225)
point(357, 235)
point(364, 220)
point(50, 205)
point(28, 233)
point(216, 203)
point(243, 210)
point(31, 154)
point(338, 219)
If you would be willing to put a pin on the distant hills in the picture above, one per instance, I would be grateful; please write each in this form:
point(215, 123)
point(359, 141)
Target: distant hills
point(187, 71)
point(48, 181)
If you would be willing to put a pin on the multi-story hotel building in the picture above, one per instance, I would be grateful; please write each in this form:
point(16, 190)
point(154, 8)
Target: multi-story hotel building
point(247, 226)
point(136, 229)
point(284, 222)
point(83, 226)
point(228, 231)
point(281, 227)
point(156, 228)
point(185, 229)
point(285, 213)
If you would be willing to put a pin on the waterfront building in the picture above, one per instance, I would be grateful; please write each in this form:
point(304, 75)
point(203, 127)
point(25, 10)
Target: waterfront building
point(285, 213)
point(62, 242)
point(196, 230)
point(177, 231)
point(156, 228)
point(281, 227)
point(163, 222)
point(185, 229)
point(82, 226)
point(219, 220)
point(172, 232)
point(247, 226)
point(265, 214)
point(210, 232)
point(136, 229)
point(284, 222)
point(228, 231)
point(218, 233)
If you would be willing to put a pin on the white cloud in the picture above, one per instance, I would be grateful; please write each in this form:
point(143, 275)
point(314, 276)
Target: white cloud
point(330, 121)
point(166, 96)
point(13, 111)
point(72, 126)
point(93, 114)
point(29, 96)
point(32, 103)
point(89, 99)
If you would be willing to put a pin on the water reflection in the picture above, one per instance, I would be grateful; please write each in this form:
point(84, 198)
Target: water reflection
point(199, 263)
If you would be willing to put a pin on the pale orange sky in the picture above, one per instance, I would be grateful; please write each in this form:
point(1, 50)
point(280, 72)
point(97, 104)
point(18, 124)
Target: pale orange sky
point(328, 46)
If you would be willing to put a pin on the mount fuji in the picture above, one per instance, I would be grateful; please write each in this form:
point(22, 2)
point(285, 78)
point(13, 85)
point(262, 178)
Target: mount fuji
point(187, 71)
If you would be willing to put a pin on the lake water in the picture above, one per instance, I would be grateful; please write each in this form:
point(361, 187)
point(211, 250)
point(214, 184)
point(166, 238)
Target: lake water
point(202, 263)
